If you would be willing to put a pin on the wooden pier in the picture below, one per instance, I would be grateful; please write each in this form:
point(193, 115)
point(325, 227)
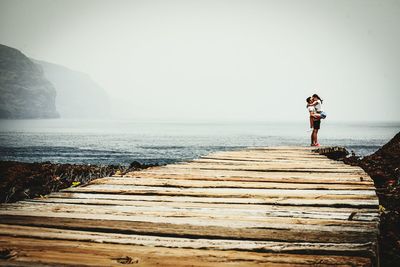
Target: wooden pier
point(273, 206)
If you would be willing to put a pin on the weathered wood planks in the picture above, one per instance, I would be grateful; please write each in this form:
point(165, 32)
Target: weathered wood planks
point(280, 206)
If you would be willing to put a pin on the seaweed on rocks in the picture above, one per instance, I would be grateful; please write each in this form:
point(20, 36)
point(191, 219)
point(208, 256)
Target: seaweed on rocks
point(383, 167)
point(19, 180)
point(336, 153)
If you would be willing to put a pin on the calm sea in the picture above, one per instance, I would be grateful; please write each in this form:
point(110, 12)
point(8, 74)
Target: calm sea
point(121, 142)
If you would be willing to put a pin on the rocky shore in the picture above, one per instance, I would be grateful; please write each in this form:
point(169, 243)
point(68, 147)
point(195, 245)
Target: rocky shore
point(384, 168)
point(20, 180)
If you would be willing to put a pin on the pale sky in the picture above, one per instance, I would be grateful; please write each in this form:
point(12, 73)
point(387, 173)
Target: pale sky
point(221, 60)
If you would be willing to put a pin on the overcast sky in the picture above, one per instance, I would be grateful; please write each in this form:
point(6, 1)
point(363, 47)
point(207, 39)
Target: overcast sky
point(222, 60)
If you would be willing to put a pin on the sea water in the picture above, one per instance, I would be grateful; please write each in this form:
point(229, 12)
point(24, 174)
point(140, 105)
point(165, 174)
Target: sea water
point(124, 141)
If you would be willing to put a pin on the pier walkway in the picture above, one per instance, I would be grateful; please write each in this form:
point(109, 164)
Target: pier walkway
point(272, 206)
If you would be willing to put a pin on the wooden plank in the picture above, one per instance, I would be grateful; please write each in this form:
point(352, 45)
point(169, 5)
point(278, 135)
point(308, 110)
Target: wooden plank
point(237, 175)
point(270, 154)
point(275, 163)
point(69, 253)
point(261, 168)
point(282, 148)
point(350, 195)
point(165, 228)
point(261, 157)
point(268, 210)
point(279, 216)
point(327, 226)
point(342, 211)
point(214, 244)
point(268, 159)
point(223, 184)
point(283, 173)
point(365, 203)
point(256, 173)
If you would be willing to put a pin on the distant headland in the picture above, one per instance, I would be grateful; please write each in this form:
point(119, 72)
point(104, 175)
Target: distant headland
point(33, 89)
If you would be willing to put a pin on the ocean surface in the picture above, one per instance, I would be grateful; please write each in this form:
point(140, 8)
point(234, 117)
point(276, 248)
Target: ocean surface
point(121, 142)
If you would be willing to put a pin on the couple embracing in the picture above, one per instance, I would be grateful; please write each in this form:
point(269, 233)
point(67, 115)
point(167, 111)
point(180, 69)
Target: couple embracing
point(314, 106)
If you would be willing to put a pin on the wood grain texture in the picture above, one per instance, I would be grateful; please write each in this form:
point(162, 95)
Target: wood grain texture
point(35, 252)
point(273, 206)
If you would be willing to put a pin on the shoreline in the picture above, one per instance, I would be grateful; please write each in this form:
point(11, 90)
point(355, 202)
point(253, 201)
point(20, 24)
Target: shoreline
point(22, 180)
point(383, 166)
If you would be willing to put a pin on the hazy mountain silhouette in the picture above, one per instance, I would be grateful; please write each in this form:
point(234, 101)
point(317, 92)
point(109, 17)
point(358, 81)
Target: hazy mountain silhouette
point(24, 91)
point(78, 96)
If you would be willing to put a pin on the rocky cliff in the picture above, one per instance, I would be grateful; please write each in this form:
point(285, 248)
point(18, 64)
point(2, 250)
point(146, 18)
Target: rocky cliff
point(24, 91)
point(78, 96)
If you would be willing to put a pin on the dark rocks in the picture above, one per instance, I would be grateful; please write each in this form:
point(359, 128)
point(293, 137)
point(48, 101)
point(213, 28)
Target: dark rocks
point(24, 91)
point(135, 165)
point(28, 180)
point(336, 153)
point(20, 180)
point(384, 168)
point(384, 165)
